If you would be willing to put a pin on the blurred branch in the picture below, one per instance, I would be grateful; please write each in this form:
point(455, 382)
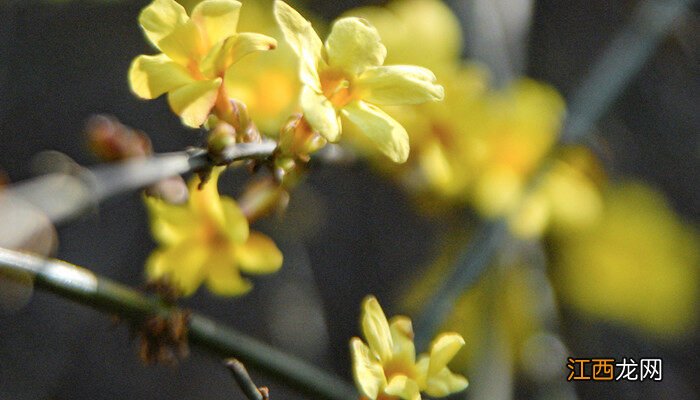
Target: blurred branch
point(619, 64)
point(82, 286)
point(485, 33)
point(240, 374)
point(610, 74)
point(62, 197)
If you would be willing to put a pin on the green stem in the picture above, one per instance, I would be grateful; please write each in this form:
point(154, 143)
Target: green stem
point(83, 286)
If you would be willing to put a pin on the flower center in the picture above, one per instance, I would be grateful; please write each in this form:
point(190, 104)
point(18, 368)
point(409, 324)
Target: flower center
point(400, 367)
point(337, 87)
point(213, 236)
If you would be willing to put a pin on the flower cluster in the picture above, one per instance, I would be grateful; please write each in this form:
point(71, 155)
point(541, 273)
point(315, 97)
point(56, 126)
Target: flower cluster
point(345, 77)
point(340, 84)
point(481, 145)
point(197, 52)
point(386, 367)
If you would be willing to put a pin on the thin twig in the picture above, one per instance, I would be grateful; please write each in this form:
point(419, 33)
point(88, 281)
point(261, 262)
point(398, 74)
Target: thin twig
point(83, 286)
point(61, 197)
point(240, 374)
point(624, 57)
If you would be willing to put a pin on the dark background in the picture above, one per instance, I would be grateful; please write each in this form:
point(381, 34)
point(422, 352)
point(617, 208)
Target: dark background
point(62, 62)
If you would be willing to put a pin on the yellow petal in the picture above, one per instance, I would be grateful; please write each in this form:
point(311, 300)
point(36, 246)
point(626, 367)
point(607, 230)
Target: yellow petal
point(194, 101)
point(576, 201)
point(368, 373)
point(218, 19)
point(320, 114)
point(376, 329)
point(422, 370)
point(532, 217)
point(235, 223)
point(402, 336)
point(354, 45)
point(442, 350)
point(160, 18)
point(223, 277)
point(170, 223)
point(399, 84)
point(151, 76)
point(259, 255)
point(182, 265)
point(205, 202)
point(403, 387)
point(436, 166)
point(228, 52)
point(184, 44)
point(386, 133)
point(303, 40)
point(423, 32)
point(445, 383)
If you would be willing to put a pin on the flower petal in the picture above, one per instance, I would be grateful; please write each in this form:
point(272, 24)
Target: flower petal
point(403, 387)
point(354, 45)
point(182, 265)
point(445, 383)
point(184, 44)
point(320, 113)
point(151, 76)
point(235, 223)
point(228, 52)
point(303, 40)
point(259, 255)
point(223, 277)
point(368, 373)
point(388, 134)
point(376, 329)
point(218, 19)
point(399, 84)
point(443, 348)
point(402, 335)
point(194, 101)
point(160, 18)
point(205, 202)
point(170, 223)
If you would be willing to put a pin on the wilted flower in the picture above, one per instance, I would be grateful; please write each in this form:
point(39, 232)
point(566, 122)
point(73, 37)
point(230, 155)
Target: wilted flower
point(197, 51)
point(207, 240)
point(386, 367)
point(345, 77)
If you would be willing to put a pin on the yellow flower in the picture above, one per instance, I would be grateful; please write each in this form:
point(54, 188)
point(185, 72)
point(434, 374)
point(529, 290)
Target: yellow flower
point(197, 52)
point(420, 32)
point(520, 126)
point(386, 367)
point(566, 198)
point(267, 83)
point(637, 264)
point(345, 77)
point(207, 240)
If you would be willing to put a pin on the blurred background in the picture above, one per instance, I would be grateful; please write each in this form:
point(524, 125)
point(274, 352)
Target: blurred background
point(625, 285)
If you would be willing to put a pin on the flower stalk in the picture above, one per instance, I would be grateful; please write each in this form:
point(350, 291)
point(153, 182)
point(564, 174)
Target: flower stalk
point(84, 287)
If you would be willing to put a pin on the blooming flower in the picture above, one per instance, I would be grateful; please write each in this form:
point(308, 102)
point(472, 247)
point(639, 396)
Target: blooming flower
point(268, 82)
point(345, 78)
point(207, 239)
point(386, 367)
point(420, 32)
point(197, 51)
point(637, 264)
